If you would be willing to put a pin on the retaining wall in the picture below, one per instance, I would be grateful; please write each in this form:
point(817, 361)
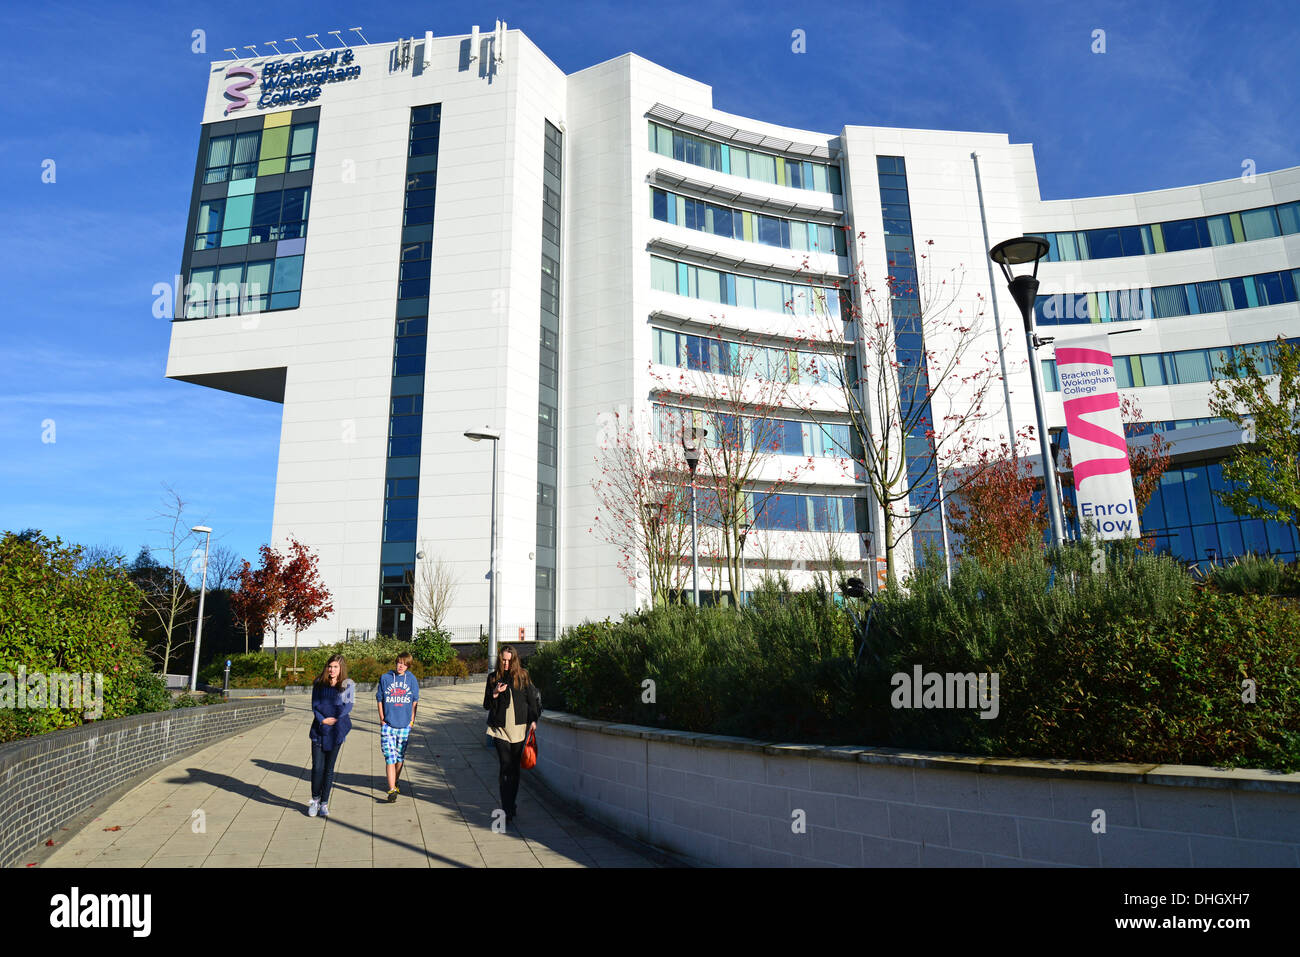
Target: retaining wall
point(51, 778)
point(738, 802)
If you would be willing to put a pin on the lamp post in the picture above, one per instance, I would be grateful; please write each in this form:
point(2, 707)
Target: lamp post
point(691, 440)
point(203, 588)
point(1024, 290)
point(478, 435)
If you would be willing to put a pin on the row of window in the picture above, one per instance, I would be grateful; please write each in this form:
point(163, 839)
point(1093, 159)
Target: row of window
point(244, 287)
point(702, 354)
point(766, 295)
point(1175, 368)
point(751, 164)
point(548, 386)
point(265, 152)
point(1164, 302)
point(776, 436)
point(669, 207)
point(252, 218)
point(1174, 236)
point(1189, 522)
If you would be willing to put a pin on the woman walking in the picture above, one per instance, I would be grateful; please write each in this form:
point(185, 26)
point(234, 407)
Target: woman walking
point(513, 707)
point(332, 695)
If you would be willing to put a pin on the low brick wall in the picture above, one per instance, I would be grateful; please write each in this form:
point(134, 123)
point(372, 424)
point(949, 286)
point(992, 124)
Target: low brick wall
point(51, 778)
point(738, 802)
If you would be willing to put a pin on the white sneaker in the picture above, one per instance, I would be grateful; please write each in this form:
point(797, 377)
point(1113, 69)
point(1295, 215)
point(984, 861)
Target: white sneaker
point(324, 810)
point(313, 808)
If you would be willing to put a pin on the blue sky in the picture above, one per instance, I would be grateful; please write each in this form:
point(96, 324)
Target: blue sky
point(1184, 93)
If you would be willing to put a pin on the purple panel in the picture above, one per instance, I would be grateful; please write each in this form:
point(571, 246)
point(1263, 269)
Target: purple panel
point(290, 247)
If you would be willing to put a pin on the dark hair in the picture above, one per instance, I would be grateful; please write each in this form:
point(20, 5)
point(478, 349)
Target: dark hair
point(518, 673)
point(324, 679)
point(405, 656)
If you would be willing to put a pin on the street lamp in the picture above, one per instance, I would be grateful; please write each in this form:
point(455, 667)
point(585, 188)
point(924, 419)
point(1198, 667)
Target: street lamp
point(493, 435)
point(691, 441)
point(1024, 290)
point(198, 634)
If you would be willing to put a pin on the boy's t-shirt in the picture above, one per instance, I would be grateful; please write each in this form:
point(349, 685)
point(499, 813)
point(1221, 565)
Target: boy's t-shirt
point(399, 694)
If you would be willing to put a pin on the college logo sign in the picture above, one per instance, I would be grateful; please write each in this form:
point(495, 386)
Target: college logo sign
point(244, 77)
point(294, 82)
point(1103, 484)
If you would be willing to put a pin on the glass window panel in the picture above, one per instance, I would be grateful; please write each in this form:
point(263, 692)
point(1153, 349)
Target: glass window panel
point(1169, 301)
point(1175, 498)
point(1259, 223)
point(239, 212)
point(1131, 240)
point(1289, 218)
point(1180, 234)
point(1209, 296)
point(288, 273)
point(710, 285)
point(1104, 244)
point(663, 274)
point(1220, 230)
point(266, 208)
point(227, 291)
point(1152, 370)
point(303, 140)
point(257, 283)
point(1268, 289)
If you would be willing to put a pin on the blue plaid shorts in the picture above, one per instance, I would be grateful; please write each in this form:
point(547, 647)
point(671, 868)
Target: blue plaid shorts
point(392, 741)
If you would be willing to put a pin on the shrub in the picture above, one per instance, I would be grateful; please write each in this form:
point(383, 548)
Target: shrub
point(60, 615)
point(433, 646)
point(1121, 659)
point(151, 693)
point(1256, 575)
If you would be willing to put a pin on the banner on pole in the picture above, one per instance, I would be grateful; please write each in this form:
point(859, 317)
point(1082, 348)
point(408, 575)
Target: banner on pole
point(1103, 484)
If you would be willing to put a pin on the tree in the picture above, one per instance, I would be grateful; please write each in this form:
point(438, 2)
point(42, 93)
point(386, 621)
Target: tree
point(223, 567)
point(251, 602)
point(996, 514)
point(306, 599)
point(435, 591)
point(1262, 396)
point(261, 597)
point(918, 372)
point(167, 595)
point(640, 506)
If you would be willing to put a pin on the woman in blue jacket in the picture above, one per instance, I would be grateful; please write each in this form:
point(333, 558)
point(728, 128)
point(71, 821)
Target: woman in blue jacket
point(332, 695)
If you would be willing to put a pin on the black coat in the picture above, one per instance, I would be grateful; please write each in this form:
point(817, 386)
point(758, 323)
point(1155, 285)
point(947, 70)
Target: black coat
point(527, 702)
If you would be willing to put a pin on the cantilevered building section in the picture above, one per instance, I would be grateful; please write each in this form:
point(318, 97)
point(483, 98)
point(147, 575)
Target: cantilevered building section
point(403, 241)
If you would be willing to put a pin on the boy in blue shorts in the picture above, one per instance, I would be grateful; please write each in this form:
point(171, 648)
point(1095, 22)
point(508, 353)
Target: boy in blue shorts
point(397, 694)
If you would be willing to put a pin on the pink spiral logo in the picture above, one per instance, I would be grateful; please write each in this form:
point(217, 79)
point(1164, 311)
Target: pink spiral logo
point(233, 92)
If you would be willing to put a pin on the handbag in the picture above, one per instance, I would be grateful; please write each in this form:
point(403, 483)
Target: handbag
point(529, 759)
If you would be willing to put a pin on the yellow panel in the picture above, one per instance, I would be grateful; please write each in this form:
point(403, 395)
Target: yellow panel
point(283, 118)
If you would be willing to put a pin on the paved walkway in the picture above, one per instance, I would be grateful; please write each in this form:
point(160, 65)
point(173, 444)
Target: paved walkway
point(253, 790)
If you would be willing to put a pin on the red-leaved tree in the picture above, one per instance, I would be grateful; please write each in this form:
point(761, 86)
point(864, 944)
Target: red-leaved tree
point(306, 599)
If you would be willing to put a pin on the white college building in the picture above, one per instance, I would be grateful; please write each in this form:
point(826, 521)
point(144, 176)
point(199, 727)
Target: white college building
point(441, 235)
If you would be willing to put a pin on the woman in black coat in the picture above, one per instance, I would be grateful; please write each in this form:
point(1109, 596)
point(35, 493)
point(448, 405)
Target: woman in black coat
point(513, 707)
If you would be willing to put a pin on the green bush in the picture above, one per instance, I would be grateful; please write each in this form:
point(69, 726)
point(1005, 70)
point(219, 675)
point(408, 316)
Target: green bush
point(432, 646)
point(58, 616)
point(151, 693)
point(1256, 575)
point(1110, 657)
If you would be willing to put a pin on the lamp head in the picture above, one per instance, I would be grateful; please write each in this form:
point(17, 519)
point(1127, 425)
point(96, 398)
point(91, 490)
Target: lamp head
point(478, 435)
point(201, 529)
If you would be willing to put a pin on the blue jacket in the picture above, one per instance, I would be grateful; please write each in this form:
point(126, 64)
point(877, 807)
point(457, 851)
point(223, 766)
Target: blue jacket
point(327, 702)
point(399, 695)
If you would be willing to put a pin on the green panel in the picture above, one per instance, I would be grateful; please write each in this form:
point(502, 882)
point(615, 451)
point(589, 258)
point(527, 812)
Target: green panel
point(1094, 310)
point(275, 143)
point(780, 171)
point(1136, 368)
point(1158, 234)
point(1238, 233)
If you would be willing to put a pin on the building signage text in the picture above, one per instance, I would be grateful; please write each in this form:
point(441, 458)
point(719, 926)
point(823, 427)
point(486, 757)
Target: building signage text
point(293, 82)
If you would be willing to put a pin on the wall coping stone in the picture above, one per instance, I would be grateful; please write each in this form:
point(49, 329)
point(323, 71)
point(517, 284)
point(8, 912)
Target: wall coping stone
point(1167, 775)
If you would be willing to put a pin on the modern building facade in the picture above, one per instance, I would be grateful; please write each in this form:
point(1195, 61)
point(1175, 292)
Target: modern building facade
point(401, 242)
